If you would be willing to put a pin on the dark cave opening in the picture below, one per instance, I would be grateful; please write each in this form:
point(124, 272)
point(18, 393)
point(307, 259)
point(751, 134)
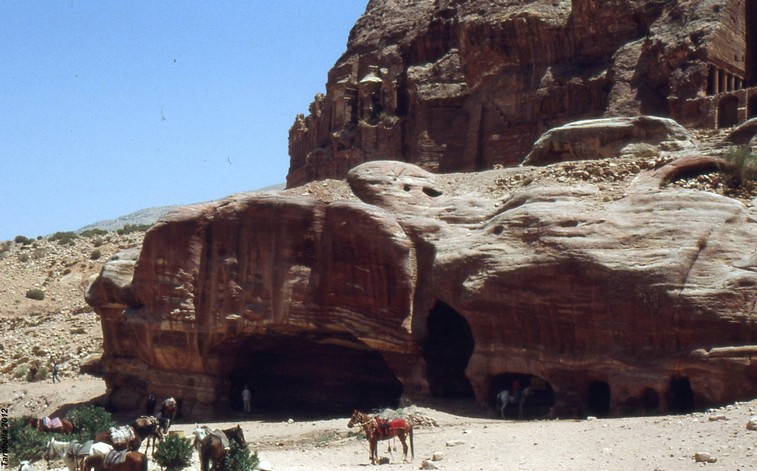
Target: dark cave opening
point(728, 112)
point(538, 401)
point(750, 16)
point(680, 396)
point(447, 350)
point(598, 399)
point(309, 376)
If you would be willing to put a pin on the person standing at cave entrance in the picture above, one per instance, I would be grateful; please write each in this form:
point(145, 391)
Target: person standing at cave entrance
point(247, 400)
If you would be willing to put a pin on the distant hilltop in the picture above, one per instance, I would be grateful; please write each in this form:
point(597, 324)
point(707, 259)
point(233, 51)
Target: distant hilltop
point(147, 216)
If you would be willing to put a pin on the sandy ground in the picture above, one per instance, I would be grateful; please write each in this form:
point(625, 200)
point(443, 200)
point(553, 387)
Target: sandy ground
point(472, 440)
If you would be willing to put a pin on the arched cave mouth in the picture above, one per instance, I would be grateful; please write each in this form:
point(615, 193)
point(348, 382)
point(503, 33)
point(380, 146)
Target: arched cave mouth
point(310, 376)
point(539, 401)
point(447, 349)
point(680, 396)
point(598, 399)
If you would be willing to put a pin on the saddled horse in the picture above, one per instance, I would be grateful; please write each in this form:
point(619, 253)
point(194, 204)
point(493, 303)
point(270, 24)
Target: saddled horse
point(211, 446)
point(147, 427)
point(116, 461)
point(74, 452)
point(121, 438)
point(507, 397)
point(46, 424)
point(377, 429)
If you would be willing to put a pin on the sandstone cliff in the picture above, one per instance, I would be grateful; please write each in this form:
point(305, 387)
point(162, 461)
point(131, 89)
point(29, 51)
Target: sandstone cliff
point(467, 85)
point(606, 286)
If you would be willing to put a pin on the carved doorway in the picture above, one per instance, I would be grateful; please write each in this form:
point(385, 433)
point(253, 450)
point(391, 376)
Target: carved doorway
point(680, 396)
point(728, 112)
point(310, 375)
point(598, 399)
point(750, 59)
point(447, 350)
point(752, 107)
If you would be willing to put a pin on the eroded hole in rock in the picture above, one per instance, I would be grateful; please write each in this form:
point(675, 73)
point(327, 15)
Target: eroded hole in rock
point(728, 112)
point(598, 399)
point(310, 376)
point(432, 192)
point(539, 395)
point(680, 396)
point(447, 350)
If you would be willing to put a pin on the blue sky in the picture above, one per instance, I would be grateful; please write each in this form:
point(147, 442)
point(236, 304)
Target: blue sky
point(111, 106)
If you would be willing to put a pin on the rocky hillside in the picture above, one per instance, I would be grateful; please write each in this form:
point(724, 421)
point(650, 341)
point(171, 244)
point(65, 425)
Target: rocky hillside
point(60, 326)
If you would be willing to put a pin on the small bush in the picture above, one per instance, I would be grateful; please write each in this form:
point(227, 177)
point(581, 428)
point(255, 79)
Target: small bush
point(174, 453)
point(24, 442)
point(64, 238)
point(89, 233)
point(90, 420)
point(129, 228)
point(22, 240)
point(23, 258)
point(21, 371)
point(740, 170)
point(35, 293)
point(95, 254)
point(240, 458)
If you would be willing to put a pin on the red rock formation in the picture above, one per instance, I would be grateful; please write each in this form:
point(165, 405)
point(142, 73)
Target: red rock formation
point(437, 284)
point(463, 86)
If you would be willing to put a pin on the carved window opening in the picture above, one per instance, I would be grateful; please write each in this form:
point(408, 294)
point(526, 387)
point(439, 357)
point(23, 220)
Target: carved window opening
point(296, 375)
point(728, 112)
point(598, 399)
point(680, 396)
point(447, 350)
point(540, 396)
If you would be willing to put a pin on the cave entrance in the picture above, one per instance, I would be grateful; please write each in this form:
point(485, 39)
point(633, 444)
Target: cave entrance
point(728, 112)
point(598, 398)
point(539, 399)
point(680, 396)
point(310, 376)
point(447, 350)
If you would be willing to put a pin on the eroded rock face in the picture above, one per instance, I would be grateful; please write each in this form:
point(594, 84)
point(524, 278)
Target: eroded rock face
point(450, 285)
point(465, 86)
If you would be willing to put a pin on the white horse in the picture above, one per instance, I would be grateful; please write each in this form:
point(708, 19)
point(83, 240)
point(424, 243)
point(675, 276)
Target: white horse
point(507, 397)
point(71, 452)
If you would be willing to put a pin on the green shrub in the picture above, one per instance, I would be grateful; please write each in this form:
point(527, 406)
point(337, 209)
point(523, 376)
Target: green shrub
point(23, 258)
point(90, 420)
point(95, 254)
point(24, 442)
point(740, 170)
point(174, 453)
point(20, 371)
point(22, 240)
point(35, 293)
point(240, 458)
point(89, 233)
point(64, 238)
point(129, 228)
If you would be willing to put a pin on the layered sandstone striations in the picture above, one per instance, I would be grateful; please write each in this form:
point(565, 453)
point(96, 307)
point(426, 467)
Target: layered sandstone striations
point(604, 285)
point(464, 86)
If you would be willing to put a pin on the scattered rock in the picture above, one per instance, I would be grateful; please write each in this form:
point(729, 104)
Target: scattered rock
point(704, 458)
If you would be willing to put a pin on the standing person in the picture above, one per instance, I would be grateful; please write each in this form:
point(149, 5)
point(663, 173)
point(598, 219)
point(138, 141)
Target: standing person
point(247, 400)
point(55, 372)
point(150, 406)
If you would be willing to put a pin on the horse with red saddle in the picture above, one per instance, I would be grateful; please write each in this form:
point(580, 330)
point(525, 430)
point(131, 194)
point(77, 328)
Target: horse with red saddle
point(377, 428)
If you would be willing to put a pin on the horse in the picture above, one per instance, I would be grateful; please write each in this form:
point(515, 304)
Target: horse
point(147, 427)
point(116, 461)
point(507, 397)
point(49, 425)
point(74, 452)
point(377, 429)
point(211, 446)
point(131, 440)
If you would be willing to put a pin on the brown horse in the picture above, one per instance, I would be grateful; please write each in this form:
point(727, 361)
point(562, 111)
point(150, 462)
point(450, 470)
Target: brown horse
point(377, 429)
point(131, 444)
point(147, 427)
point(132, 461)
point(211, 446)
point(65, 425)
